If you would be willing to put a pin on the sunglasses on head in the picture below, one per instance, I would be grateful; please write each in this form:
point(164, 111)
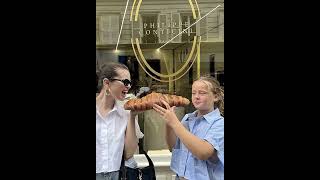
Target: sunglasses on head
point(126, 82)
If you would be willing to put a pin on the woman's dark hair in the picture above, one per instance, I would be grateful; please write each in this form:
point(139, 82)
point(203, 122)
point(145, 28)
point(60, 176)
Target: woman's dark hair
point(109, 71)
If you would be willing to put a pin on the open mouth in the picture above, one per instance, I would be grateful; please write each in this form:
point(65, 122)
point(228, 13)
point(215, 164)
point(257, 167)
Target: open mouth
point(124, 93)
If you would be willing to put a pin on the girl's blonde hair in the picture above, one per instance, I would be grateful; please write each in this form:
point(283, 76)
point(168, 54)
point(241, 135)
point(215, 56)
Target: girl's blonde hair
point(214, 85)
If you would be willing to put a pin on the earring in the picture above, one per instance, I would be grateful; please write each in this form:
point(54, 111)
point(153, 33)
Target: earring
point(107, 92)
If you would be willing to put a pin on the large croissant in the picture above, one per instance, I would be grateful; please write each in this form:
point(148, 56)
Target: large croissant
point(146, 102)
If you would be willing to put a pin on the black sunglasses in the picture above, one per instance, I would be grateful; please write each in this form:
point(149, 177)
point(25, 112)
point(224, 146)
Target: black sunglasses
point(126, 82)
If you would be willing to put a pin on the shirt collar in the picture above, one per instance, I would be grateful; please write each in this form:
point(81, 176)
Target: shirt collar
point(210, 117)
point(117, 108)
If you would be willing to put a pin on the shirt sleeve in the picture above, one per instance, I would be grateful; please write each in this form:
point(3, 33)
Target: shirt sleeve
point(215, 137)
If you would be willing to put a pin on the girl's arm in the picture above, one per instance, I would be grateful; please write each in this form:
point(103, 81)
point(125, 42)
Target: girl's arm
point(170, 137)
point(198, 147)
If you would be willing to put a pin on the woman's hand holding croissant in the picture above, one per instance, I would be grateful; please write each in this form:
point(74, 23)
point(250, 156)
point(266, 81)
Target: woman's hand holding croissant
point(134, 113)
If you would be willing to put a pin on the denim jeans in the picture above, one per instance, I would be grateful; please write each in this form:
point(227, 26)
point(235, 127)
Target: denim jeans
point(108, 176)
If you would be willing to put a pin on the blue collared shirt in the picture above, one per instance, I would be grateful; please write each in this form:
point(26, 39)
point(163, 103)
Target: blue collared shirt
point(209, 127)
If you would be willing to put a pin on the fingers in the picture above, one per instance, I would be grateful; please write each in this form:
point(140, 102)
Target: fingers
point(165, 103)
point(159, 109)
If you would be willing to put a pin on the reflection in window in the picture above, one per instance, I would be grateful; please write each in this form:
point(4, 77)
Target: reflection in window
point(188, 20)
point(109, 28)
point(150, 34)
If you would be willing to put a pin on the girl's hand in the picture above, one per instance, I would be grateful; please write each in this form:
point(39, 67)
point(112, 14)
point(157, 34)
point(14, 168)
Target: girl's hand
point(167, 113)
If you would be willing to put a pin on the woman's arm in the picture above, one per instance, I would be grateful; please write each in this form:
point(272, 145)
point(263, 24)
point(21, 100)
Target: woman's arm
point(130, 142)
